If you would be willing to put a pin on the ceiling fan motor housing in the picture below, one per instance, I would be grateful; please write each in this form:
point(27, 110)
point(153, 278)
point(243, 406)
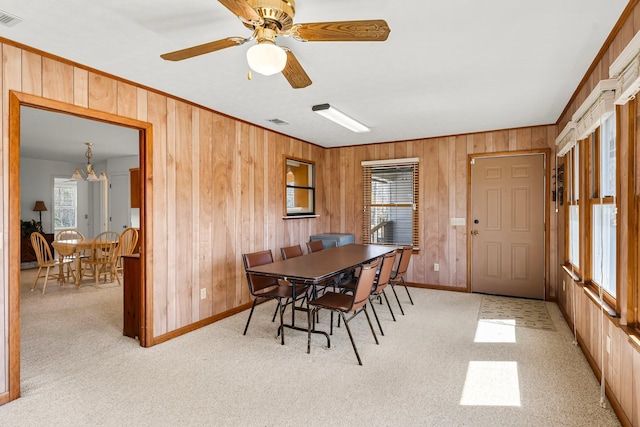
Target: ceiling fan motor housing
point(280, 12)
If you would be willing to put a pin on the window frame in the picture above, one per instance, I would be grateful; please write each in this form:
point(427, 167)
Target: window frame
point(573, 195)
point(291, 189)
point(60, 182)
point(367, 168)
point(594, 172)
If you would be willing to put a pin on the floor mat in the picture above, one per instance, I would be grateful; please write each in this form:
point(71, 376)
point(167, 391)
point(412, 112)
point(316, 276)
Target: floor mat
point(525, 312)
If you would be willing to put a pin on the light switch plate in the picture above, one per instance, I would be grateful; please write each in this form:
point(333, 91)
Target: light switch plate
point(458, 221)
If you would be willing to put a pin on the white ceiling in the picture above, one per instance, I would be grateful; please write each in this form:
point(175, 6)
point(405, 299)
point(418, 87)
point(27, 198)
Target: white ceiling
point(448, 67)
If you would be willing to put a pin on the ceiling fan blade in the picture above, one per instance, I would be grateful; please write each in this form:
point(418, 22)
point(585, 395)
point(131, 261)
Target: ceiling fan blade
point(190, 52)
point(242, 10)
point(347, 31)
point(294, 73)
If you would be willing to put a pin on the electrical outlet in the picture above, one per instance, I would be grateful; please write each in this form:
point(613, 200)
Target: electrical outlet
point(436, 267)
point(608, 344)
point(203, 293)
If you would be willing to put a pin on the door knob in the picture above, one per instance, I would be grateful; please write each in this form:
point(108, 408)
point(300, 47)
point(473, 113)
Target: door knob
point(475, 232)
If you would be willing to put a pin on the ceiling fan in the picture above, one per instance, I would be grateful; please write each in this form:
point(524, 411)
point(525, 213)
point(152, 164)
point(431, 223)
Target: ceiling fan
point(269, 19)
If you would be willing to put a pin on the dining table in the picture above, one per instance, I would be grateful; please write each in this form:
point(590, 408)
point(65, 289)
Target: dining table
point(75, 248)
point(318, 267)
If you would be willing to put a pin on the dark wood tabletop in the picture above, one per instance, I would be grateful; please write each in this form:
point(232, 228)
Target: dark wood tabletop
point(318, 266)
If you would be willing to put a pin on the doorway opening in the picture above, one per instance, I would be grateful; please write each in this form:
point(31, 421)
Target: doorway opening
point(143, 130)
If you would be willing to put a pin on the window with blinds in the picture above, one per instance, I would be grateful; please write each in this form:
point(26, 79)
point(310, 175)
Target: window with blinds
point(391, 213)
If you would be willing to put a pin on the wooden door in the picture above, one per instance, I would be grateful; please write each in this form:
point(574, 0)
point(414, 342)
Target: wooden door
point(507, 226)
point(119, 217)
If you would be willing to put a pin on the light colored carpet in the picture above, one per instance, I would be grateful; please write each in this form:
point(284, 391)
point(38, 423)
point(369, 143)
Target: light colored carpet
point(519, 311)
point(436, 366)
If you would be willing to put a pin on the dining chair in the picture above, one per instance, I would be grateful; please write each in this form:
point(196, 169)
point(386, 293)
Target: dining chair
point(68, 253)
point(103, 257)
point(262, 287)
point(381, 281)
point(291, 251)
point(397, 276)
point(343, 304)
point(69, 234)
point(126, 246)
point(45, 260)
point(315, 246)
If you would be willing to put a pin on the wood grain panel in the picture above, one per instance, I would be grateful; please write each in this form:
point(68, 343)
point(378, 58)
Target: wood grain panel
point(10, 347)
point(127, 100)
point(430, 251)
point(169, 195)
point(80, 87)
point(500, 141)
point(460, 208)
point(57, 80)
point(103, 93)
point(205, 227)
point(31, 73)
point(157, 116)
point(218, 242)
point(185, 207)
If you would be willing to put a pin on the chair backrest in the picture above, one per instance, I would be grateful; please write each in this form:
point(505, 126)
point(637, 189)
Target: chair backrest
point(365, 283)
point(69, 234)
point(41, 248)
point(291, 251)
point(315, 246)
point(384, 273)
point(128, 240)
point(259, 284)
point(403, 264)
point(105, 247)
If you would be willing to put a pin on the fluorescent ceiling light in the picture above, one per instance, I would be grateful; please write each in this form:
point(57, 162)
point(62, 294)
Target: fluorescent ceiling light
point(340, 118)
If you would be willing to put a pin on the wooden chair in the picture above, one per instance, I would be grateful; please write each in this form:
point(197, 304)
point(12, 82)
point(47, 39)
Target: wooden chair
point(397, 276)
point(126, 246)
point(64, 253)
point(103, 258)
point(315, 246)
point(69, 234)
point(262, 287)
point(45, 260)
point(342, 304)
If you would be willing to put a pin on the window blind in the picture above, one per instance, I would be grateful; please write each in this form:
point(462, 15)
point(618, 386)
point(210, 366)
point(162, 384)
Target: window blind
point(391, 212)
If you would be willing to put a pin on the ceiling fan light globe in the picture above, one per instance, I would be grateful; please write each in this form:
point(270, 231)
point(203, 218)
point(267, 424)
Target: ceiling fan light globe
point(266, 58)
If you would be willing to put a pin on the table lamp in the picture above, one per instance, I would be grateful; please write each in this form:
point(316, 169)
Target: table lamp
point(39, 207)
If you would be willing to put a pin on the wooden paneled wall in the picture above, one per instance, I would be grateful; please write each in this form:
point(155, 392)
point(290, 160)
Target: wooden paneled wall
point(443, 195)
point(216, 191)
point(622, 363)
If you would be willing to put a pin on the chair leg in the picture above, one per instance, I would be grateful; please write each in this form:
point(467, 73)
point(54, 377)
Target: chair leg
point(388, 305)
point(251, 314)
point(407, 289)
point(308, 331)
point(46, 279)
point(393, 288)
point(353, 344)
point(275, 313)
point(282, 321)
point(377, 320)
point(37, 277)
point(375, 337)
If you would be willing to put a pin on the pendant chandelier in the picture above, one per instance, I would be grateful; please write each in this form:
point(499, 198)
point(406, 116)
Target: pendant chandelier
point(89, 174)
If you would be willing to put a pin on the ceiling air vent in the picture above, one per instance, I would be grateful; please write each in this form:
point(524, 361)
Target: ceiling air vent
point(277, 122)
point(8, 20)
